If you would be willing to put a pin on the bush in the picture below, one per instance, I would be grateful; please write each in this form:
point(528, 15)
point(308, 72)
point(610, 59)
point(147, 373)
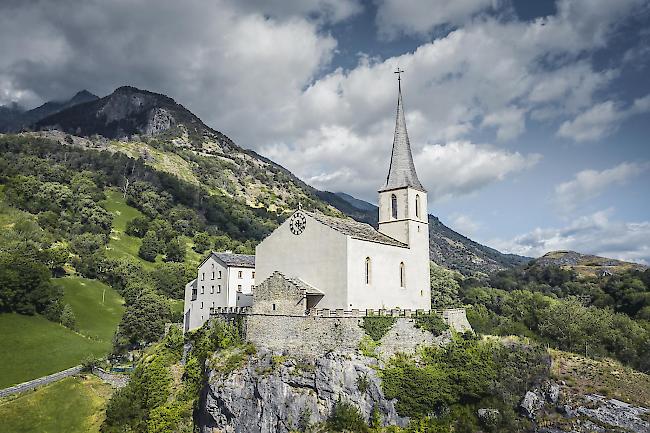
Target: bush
point(346, 417)
point(432, 323)
point(68, 319)
point(377, 326)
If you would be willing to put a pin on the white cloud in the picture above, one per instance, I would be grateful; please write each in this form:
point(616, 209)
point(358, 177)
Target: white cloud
point(419, 17)
point(591, 234)
point(588, 184)
point(464, 224)
point(601, 120)
point(510, 122)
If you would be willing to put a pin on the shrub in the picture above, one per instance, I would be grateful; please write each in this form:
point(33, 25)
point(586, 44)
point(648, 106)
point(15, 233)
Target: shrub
point(346, 417)
point(68, 319)
point(432, 323)
point(377, 326)
point(363, 383)
point(368, 347)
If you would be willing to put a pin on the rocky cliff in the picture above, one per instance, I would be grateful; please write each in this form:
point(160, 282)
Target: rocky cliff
point(273, 394)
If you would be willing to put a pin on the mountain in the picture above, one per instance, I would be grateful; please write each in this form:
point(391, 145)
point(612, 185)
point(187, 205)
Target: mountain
point(14, 118)
point(171, 138)
point(446, 247)
point(587, 264)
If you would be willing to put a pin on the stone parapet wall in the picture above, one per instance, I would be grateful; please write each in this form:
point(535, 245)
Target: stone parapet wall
point(314, 334)
point(45, 380)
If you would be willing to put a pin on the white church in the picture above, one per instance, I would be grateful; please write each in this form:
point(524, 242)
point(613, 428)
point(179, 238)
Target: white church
point(346, 264)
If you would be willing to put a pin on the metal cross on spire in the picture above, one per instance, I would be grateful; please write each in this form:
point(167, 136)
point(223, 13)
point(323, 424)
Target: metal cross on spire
point(399, 73)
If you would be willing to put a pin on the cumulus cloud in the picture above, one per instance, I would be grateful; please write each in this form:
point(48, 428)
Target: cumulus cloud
point(592, 234)
point(588, 184)
point(262, 73)
point(419, 17)
point(601, 120)
point(464, 224)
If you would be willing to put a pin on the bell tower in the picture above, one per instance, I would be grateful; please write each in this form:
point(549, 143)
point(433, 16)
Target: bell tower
point(403, 211)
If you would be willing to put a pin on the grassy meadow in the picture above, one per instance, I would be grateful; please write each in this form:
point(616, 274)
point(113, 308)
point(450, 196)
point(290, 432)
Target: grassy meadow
point(72, 405)
point(40, 347)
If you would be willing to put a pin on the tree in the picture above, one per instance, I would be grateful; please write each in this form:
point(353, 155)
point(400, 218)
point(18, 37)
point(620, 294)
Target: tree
point(444, 287)
point(137, 226)
point(86, 244)
point(175, 251)
point(144, 320)
point(150, 246)
point(201, 242)
point(170, 279)
point(68, 318)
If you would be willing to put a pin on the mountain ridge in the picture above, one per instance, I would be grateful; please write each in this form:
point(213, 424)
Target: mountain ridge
point(150, 125)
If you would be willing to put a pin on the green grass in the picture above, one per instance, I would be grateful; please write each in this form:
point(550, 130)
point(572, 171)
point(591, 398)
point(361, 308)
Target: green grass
point(121, 244)
point(32, 347)
point(72, 405)
point(176, 305)
point(97, 307)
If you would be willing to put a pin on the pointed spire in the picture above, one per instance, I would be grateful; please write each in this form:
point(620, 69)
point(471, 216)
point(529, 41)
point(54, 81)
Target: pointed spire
point(401, 173)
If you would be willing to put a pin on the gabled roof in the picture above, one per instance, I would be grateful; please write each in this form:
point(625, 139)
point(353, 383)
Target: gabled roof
point(308, 288)
point(401, 173)
point(230, 259)
point(355, 229)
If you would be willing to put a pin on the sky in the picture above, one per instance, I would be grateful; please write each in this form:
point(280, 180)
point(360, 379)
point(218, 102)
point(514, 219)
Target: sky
point(529, 121)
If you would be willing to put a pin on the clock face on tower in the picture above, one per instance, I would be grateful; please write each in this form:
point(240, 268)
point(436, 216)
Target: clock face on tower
point(297, 223)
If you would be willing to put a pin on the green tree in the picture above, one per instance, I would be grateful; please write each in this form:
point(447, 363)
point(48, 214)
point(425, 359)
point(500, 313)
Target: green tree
point(137, 226)
point(68, 318)
point(444, 287)
point(170, 278)
point(86, 244)
point(143, 321)
point(175, 251)
point(202, 242)
point(150, 246)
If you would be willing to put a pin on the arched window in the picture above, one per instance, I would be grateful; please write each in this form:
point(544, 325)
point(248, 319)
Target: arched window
point(417, 205)
point(402, 275)
point(367, 270)
point(393, 205)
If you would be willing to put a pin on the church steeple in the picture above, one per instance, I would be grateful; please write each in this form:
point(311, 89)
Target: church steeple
point(401, 173)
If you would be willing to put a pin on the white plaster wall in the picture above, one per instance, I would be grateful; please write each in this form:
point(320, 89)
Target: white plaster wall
point(318, 256)
point(384, 290)
point(206, 297)
point(246, 282)
point(395, 228)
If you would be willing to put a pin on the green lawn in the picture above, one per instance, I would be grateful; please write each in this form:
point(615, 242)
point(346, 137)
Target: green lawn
point(123, 245)
point(72, 405)
point(97, 307)
point(34, 347)
point(39, 347)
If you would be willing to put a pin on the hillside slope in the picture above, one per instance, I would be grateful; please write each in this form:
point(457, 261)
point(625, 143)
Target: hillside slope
point(447, 248)
point(170, 138)
point(13, 118)
point(587, 264)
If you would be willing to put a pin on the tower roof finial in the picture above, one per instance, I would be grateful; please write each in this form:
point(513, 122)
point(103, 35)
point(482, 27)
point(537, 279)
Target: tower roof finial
point(401, 173)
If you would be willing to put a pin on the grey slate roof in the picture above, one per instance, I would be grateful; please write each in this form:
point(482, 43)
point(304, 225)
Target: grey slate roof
point(239, 260)
point(402, 170)
point(308, 288)
point(355, 229)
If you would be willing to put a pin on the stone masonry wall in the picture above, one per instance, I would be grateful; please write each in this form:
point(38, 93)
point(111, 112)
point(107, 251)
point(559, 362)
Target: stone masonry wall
point(26, 386)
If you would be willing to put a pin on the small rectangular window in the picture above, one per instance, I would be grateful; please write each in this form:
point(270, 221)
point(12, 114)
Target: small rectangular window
point(219, 288)
point(212, 289)
point(253, 274)
point(202, 276)
point(212, 304)
point(239, 287)
point(273, 307)
point(219, 274)
point(201, 305)
point(202, 289)
point(213, 275)
point(239, 274)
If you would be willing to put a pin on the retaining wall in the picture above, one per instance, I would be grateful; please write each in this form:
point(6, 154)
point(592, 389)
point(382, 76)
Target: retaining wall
point(26, 386)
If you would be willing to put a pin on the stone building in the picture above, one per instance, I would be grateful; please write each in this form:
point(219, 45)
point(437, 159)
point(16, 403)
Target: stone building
point(223, 280)
point(352, 265)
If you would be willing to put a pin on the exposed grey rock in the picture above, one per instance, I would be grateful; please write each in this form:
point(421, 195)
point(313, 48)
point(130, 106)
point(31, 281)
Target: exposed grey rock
point(616, 413)
point(531, 403)
point(488, 416)
point(567, 411)
point(551, 391)
point(266, 398)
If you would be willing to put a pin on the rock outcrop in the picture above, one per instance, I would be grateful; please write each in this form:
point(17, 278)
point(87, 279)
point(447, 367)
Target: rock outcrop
point(274, 394)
